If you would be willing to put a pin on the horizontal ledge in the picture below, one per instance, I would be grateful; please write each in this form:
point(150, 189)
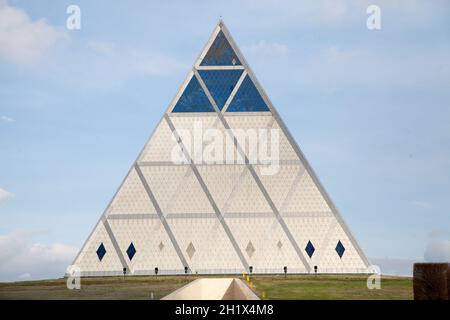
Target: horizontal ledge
point(211, 215)
point(237, 67)
point(225, 113)
point(171, 164)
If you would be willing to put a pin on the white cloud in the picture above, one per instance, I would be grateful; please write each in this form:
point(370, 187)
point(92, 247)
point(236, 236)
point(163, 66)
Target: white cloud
point(358, 67)
point(270, 14)
point(437, 233)
point(420, 204)
point(152, 63)
point(101, 47)
point(438, 251)
point(5, 195)
point(21, 258)
point(7, 119)
point(107, 65)
point(395, 267)
point(23, 41)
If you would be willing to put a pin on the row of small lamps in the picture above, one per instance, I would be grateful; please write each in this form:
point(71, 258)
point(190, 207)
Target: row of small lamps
point(186, 269)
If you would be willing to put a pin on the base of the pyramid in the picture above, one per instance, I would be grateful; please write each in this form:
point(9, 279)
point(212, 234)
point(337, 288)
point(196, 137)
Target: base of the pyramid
point(230, 273)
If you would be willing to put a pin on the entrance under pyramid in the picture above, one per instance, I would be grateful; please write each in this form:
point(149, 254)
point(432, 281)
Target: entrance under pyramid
point(221, 187)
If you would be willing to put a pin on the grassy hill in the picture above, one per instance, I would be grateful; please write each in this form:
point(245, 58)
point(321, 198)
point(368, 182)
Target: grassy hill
point(267, 287)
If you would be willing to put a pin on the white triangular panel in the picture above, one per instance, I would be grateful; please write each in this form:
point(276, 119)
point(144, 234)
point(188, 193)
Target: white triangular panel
point(264, 233)
point(146, 235)
point(309, 227)
point(88, 260)
point(247, 130)
point(350, 262)
point(176, 189)
point(164, 182)
point(131, 198)
point(161, 145)
point(190, 198)
point(286, 150)
point(279, 180)
point(212, 250)
point(248, 197)
point(222, 181)
point(192, 130)
point(306, 197)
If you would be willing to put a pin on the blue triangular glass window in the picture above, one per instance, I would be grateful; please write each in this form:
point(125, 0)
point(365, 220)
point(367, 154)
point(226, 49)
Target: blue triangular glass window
point(247, 99)
point(193, 99)
point(220, 83)
point(220, 53)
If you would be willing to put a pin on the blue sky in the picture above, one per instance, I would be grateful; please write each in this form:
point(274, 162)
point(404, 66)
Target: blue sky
point(370, 110)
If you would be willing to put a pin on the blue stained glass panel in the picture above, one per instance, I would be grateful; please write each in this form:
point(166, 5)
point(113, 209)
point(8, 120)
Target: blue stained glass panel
point(220, 53)
point(310, 249)
point(340, 249)
point(220, 83)
point(101, 251)
point(247, 99)
point(193, 99)
point(131, 251)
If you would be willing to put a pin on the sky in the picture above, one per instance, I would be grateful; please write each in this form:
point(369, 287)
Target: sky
point(369, 108)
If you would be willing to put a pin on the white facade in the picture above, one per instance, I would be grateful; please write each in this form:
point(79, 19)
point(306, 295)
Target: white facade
point(223, 216)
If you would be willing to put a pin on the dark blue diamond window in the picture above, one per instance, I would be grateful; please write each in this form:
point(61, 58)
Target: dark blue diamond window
point(310, 249)
point(131, 251)
point(340, 249)
point(101, 251)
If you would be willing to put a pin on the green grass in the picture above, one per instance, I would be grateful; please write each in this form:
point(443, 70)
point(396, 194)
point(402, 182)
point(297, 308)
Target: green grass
point(334, 287)
point(271, 287)
point(132, 288)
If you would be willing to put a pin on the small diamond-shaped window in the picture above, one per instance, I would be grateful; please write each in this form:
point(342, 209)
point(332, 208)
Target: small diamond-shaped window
point(250, 249)
point(101, 251)
point(190, 250)
point(310, 249)
point(279, 245)
point(131, 251)
point(340, 249)
point(161, 246)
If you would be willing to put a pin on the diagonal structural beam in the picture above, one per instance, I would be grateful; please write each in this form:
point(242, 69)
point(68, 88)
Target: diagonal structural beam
point(255, 176)
point(325, 240)
point(279, 218)
point(116, 245)
point(208, 194)
point(161, 217)
point(294, 144)
point(290, 193)
point(319, 185)
point(234, 191)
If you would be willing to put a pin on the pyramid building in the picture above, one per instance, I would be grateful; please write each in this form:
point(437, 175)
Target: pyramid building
point(221, 187)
